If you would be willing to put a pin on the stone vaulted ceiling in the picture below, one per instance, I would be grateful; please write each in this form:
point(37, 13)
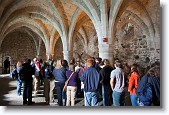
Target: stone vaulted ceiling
point(50, 19)
point(72, 20)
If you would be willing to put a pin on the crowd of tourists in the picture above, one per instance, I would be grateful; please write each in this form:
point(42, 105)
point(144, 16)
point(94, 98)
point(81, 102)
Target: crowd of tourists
point(92, 80)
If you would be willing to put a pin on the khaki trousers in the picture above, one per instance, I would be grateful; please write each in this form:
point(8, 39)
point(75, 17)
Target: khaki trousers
point(36, 83)
point(71, 92)
point(49, 85)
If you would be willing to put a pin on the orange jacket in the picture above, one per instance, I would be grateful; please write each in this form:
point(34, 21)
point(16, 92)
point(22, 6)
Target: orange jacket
point(133, 83)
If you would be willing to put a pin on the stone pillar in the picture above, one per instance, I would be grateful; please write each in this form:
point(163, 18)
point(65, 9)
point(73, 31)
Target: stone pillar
point(68, 55)
point(106, 52)
point(49, 53)
point(39, 49)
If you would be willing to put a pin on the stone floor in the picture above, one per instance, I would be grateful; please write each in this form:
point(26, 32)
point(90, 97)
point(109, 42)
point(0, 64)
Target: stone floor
point(8, 96)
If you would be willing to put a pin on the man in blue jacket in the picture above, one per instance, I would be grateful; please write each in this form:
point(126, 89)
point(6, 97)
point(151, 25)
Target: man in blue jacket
point(91, 80)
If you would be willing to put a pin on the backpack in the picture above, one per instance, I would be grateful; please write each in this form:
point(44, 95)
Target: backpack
point(145, 91)
point(49, 67)
point(15, 74)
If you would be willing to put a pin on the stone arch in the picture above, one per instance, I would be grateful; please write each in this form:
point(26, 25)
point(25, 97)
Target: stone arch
point(115, 6)
point(4, 4)
point(59, 13)
point(58, 48)
point(19, 45)
point(31, 27)
point(77, 26)
point(27, 23)
point(35, 13)
point(123, 7)
point(95, 10)
point(94, 17)
point(58, 24)
point(78, 38)
point(148, 19)
point(28, 30)
point(36, 44)
point(55, 41)
point(73, 24)
point(138, 20)
point(85, 35)
point(10, 8)
point(39, 13)
point(82, 6)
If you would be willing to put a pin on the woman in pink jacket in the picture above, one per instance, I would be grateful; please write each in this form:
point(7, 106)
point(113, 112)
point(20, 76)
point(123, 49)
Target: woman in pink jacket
point(133, 84)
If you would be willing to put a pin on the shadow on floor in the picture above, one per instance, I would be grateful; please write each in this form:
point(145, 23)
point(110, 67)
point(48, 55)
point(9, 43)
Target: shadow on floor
point(5, 88)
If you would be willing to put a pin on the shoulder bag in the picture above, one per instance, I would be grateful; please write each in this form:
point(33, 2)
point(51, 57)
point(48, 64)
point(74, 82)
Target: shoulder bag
point(66, 83)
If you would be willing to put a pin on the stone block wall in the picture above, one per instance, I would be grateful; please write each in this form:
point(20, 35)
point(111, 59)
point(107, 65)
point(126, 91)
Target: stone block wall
point(84, 51)
point(18, 46)
point(137, 45)
point(58, 50)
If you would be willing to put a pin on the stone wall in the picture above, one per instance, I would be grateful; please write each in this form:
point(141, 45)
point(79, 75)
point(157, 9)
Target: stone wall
point(135, 44)
point(18, 46)
point(84, 50)
point(43, 51)
point(88, 48)
point(58, 50)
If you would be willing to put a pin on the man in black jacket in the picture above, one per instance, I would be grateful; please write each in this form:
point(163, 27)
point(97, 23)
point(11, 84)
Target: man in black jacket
point(106, 88)
point(27, 72)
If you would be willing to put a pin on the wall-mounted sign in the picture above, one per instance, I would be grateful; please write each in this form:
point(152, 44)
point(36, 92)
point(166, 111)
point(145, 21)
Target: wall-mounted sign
point(105, 39)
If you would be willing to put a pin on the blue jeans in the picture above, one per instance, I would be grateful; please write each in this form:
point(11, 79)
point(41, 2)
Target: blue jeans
point(60, 94)
point(107, 95)
point(91, 99)
point(133, 98)
point(18, 87)
point(118, 98)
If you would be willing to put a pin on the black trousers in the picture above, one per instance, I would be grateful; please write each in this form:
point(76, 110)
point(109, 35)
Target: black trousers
point(27, 92)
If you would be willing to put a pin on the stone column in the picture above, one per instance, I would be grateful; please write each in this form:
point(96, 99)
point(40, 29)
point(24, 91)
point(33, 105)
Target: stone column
point(106, 52)
point(68, 55)
point(39, 49)
point(49, 53)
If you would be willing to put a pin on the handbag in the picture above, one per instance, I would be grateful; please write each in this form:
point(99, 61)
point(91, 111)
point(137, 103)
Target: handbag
point(66, 83)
